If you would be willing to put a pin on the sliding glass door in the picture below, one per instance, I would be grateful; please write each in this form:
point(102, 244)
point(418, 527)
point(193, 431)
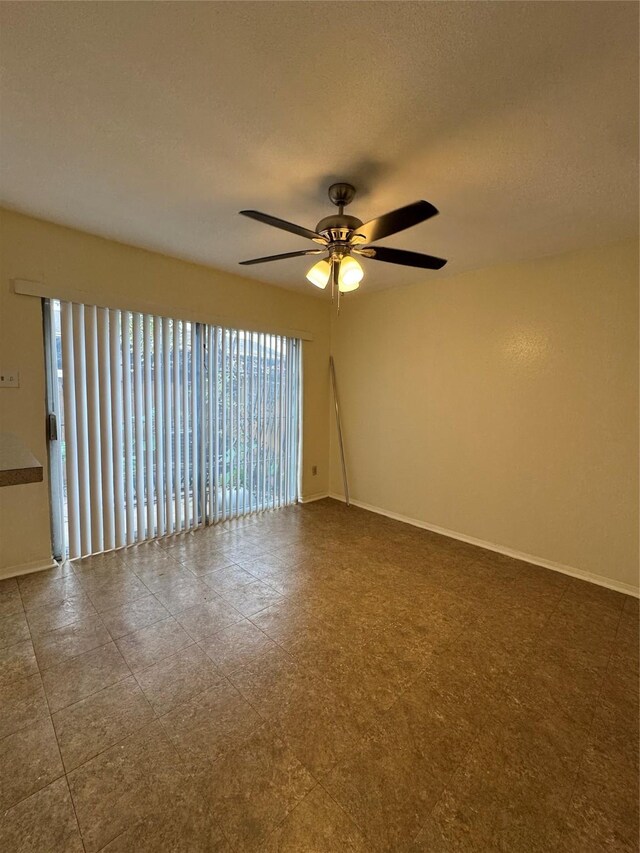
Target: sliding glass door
point(167, 424)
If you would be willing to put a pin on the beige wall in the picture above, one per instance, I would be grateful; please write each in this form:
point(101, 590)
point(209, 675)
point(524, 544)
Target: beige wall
point(503, 405)
point(64, 258)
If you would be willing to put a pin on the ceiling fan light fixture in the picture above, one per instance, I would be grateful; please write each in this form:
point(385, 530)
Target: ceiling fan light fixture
point(319, 274)
point(350, 275)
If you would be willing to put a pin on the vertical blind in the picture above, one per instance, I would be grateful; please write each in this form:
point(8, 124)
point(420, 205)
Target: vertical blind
point(169, 424)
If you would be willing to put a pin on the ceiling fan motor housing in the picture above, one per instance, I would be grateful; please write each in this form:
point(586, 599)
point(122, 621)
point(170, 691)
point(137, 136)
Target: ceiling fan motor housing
point(337, 229)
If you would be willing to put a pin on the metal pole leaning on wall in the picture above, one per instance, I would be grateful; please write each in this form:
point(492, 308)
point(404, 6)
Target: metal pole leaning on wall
point(339, 426)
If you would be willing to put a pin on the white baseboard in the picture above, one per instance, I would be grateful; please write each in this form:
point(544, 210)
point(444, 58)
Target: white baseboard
point(307, 499)
point(600, 580)
point(27, 568)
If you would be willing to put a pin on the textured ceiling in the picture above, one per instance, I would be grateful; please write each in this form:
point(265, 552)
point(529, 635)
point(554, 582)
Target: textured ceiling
point(154, 123)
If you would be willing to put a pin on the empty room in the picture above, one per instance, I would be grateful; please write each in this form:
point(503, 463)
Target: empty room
point(319, 427)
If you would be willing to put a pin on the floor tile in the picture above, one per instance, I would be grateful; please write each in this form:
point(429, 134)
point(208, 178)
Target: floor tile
point(622, 677)
point(208, 618)
point(10, 601)
point(44, 619)
point(203, 566)
point(387, 793)
point(615, 732)
point(117, 591)
point(37, 591)
point(75, 679)
point(252, 789)
point(181, 822)
point(316, 824)
point(182, 594)
point(510, 792)
point(148, 555)
point(133, 616)
point(236, 645)
point(320, 727)
point(106, 577)
point(22, 703)
point(99, 563)
point(30, 759)
point(288, 581)
point(265, 565)
point(628, 631)
point(59, 570)
point(13, 628)
point(178, 678)
point(228, 579)
point(44, 821)
point(212, 724)
point(390, 690)
point(251, 598)
point(162, 574)
point(102, 719)
point(99, 571)
point(268, 682)
point(125, 784)
point(149, 645)
point(188, 546)
point(8, 586)
point(284, 621)
point(604, 808)
point(243, 551)
point(437, 728)
point(70, 641)
point(17, 662)
point(579, 591)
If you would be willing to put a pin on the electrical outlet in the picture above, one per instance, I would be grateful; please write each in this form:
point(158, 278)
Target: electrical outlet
point(9, 379)
point(314, 470)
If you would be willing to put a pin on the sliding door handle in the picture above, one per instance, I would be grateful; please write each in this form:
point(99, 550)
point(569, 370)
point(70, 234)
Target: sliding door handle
point(52, 427)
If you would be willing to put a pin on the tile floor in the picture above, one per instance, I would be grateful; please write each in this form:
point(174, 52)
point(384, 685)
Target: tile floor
point(316, 679)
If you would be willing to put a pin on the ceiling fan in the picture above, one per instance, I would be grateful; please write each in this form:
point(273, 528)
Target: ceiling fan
point(342, 236)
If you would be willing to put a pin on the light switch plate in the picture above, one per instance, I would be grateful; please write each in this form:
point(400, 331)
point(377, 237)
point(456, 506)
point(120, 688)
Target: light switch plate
point(9, 378)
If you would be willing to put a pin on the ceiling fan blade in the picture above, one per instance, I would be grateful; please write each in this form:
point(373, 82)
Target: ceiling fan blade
point(280, 257)
point(407, 259)
point(396, 220)
point(281, 223)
